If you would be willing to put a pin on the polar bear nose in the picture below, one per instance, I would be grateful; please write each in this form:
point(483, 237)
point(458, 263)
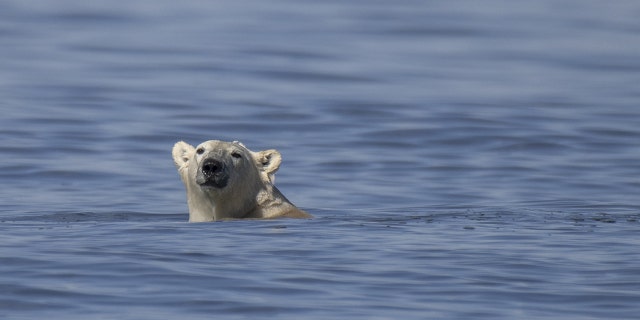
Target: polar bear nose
point(210, 167)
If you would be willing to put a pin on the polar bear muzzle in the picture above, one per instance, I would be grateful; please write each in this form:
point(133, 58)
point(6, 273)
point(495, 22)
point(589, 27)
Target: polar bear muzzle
point(212, 173)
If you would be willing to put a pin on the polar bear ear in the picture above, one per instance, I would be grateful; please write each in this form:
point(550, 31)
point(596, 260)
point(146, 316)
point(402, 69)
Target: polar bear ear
point(270, 161)
point(182, 153)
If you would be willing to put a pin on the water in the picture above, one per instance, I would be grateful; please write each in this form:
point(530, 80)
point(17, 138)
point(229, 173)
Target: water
point(462, 159)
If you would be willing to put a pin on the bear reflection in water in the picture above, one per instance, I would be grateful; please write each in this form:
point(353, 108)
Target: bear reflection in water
point(225, 180)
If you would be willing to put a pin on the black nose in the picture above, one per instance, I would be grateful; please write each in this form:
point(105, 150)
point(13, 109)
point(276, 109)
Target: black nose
point(211, 167)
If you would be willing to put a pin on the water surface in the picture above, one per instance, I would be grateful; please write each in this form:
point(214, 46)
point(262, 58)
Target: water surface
point(462, 160)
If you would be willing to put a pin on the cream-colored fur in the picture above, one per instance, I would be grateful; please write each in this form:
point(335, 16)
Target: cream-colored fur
point(225, 180)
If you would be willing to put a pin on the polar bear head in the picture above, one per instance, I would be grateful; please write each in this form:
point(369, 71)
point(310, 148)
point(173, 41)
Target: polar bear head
point(225, 179)
point(223, 166)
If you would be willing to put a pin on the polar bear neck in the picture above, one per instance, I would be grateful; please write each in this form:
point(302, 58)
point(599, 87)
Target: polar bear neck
point(270, 203)
point(267, 202)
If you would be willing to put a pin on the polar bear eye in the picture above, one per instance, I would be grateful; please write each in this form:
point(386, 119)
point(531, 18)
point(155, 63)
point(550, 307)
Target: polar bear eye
point(236, 155)
point(200, 150)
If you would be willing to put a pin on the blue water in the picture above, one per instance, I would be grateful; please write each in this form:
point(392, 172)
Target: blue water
point(462, 159)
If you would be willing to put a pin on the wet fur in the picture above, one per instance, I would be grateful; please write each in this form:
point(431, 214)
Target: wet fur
point(250, 193)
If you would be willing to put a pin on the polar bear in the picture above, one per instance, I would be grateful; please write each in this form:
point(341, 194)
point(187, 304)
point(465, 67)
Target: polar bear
point(225, 180)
